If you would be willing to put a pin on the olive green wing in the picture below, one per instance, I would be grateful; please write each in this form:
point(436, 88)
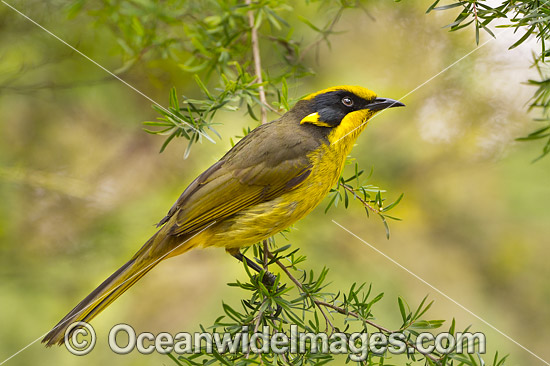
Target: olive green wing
point(250, 173)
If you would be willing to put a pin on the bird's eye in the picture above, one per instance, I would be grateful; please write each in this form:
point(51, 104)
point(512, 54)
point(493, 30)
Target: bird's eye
point(347, 101)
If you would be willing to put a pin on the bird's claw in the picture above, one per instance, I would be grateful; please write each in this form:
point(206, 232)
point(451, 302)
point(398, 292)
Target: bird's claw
point(269, 279)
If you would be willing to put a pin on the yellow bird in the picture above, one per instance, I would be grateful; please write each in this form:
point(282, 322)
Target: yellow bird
point(269, 180)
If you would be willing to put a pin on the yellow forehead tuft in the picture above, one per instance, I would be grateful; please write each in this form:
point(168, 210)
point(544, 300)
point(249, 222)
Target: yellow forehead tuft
point(357, 90)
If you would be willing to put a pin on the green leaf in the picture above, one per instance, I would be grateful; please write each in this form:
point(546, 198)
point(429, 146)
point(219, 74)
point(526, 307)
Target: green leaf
point(392, 205)
point(427, 324)
point(137, 27)
point(446, 7)
point(401, 304)
point(523, 38)
point(174, 98)
point(203, 87)
point(251, 112)
point(309, 24)
point(167, 141)
point(432, 7)
point(535, 135)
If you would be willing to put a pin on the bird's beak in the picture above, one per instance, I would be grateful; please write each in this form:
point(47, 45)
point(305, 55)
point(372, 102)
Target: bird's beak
point(383, 103)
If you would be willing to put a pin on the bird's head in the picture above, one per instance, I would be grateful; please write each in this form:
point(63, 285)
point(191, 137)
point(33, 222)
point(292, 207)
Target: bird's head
point(344, 109)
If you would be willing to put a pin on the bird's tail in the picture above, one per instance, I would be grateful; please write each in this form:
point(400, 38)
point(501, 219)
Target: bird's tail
point(114, 286)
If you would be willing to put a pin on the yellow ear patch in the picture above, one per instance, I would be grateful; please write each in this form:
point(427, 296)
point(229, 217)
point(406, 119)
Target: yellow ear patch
point(357, 90)
point(313, 118)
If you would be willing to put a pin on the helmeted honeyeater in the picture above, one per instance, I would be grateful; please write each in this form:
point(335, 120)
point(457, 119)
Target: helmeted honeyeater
point(271, 178)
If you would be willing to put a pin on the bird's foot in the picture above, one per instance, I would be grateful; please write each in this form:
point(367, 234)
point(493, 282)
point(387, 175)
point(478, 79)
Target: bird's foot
point(268, 278)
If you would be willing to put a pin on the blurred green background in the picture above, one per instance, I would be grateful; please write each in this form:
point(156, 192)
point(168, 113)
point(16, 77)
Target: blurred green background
point(81, 183)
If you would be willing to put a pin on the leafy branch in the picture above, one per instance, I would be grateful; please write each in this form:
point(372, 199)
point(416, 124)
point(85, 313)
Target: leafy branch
point(305, 306)
point(541, 101)
point(190, 121)
point(368, 195)
point(530, 16)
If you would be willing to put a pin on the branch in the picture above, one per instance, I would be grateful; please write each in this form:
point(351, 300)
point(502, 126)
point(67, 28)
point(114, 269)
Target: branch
point(322, 36)
point(299, 285)
point(365, 203)
point(340, 310)
point(257, 61)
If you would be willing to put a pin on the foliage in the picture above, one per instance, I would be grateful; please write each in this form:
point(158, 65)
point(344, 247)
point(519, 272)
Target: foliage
point(313, 308)
point(364, 194)
point(527, 16)
point(216, 47)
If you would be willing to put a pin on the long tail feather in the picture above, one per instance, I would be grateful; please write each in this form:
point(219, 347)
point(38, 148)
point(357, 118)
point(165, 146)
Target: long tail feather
point(108, 291)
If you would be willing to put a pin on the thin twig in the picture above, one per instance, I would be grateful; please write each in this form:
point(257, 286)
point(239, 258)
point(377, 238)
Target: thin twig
point(257, 61)
point(273, 109)
point(257, 325)
point(323, 34)
point(353, 314)
point(365, 203)
point(299, 285)
point(379, 327)
point(343, 311)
